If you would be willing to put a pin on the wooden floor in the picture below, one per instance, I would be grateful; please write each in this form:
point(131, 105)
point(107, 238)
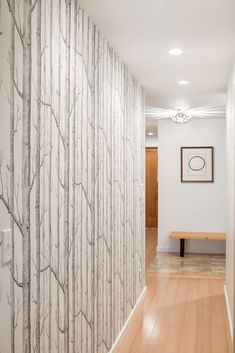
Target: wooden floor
point(180, 314)
point(150, 246)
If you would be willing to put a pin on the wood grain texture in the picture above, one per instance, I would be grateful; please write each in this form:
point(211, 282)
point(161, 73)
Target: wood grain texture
point(180, 314)
point(198, 235)
point(151, 185)
point(150, 245)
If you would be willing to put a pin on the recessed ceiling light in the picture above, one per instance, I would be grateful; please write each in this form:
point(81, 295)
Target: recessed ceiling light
point(175, 51)
point(183, 83)
point(150, 133)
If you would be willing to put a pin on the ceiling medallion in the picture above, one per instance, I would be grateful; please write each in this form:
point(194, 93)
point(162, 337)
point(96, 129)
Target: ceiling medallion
point(181, 117)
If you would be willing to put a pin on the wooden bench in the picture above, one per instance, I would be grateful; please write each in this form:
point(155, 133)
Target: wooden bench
point(195, 235)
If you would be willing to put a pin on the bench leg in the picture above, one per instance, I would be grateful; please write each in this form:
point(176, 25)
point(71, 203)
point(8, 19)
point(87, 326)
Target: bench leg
point(182, 243)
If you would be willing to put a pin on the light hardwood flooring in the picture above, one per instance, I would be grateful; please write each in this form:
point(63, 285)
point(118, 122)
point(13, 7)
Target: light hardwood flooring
point(180, 314)
point(150, 246)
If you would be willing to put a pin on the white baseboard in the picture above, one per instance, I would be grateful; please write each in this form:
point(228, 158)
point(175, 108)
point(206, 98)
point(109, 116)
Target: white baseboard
point(166, 249)
point(228, 311)
point(122, 334)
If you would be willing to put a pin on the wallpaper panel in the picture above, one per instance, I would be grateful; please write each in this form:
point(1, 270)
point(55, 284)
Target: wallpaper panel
point(71, 182)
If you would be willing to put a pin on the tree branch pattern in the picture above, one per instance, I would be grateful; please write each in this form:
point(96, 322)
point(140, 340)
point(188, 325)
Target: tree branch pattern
point(71, 181)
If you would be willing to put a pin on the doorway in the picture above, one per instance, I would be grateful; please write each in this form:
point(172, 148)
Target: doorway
point(151, 160)
point(151, 202)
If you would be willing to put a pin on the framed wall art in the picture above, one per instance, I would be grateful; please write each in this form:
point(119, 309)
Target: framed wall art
point(197, 164)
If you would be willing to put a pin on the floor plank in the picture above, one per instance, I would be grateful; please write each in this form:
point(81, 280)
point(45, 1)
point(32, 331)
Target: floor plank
point(150, 245)
point(180, 314)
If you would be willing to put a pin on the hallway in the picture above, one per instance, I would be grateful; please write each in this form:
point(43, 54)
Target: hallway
point(179, 314)
point(117, 116)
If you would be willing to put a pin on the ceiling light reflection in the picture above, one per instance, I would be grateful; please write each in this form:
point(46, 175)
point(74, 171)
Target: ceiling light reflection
point(175, 51)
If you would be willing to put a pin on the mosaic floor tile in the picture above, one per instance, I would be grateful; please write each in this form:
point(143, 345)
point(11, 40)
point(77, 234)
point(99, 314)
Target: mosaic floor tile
point(196, 263)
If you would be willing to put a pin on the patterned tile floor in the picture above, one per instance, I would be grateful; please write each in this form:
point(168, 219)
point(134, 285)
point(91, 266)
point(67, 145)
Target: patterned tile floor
point(201, 264)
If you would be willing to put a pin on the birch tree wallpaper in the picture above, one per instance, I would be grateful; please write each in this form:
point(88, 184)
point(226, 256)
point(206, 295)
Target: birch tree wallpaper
point(71, 182)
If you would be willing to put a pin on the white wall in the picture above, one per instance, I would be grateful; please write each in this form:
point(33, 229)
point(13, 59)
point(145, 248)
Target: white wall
point(230, 193)
point(191, 206)
point(151, 141)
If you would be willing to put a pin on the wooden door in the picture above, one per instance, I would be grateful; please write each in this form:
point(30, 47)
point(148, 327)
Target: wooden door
point(151, 164)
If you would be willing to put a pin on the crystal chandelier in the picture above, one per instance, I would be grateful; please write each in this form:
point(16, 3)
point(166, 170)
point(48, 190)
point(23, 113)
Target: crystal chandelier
point(181, 117)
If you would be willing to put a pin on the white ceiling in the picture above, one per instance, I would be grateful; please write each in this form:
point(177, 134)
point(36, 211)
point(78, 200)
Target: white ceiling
point(142, 32)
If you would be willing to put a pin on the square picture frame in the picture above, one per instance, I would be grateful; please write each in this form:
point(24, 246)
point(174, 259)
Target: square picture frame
point(197, 164)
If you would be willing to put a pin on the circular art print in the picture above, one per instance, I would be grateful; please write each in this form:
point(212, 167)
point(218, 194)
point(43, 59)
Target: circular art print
point(197, 164)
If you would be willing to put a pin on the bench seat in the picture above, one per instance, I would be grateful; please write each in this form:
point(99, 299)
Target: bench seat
point(195, 235)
